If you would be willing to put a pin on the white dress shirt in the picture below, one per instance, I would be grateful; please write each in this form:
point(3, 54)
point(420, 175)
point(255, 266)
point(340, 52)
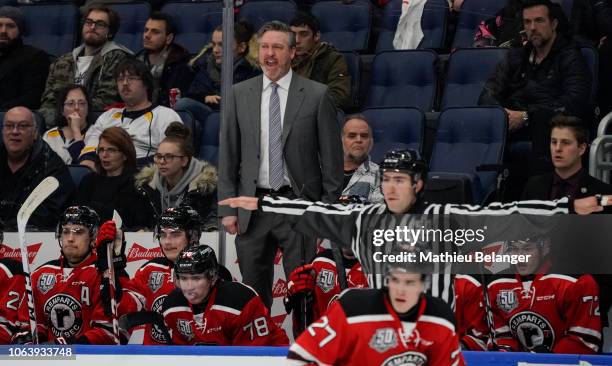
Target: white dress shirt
point(283, 92)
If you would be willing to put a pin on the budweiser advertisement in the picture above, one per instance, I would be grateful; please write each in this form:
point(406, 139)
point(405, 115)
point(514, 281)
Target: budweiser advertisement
point(15, 253)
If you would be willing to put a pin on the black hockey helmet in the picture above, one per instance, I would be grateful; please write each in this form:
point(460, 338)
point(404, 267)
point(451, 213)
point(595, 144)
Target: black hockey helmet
point(183, 217)
point(79, 215)
point(199, 259)
point(405, 161)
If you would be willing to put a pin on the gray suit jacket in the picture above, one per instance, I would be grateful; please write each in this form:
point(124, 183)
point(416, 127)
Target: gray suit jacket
point(312, 146)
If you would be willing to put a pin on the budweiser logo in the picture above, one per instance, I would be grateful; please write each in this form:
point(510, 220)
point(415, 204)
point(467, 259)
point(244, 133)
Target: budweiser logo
point(279, 320)
point(279, 289)
point(8, 252)
point(278, 257)
point(138, 253)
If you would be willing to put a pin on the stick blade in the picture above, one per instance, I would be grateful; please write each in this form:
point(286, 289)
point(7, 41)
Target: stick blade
point(44, 189)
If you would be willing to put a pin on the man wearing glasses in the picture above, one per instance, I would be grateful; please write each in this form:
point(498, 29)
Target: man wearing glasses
point(144, 121)
point(92, 64)
point(25, 160)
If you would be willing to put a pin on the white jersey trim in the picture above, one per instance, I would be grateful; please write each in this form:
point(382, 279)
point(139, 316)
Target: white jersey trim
point(586, 331)
point(226, 309)
point(369, 318)
point(5, 269)
point(437, 320)
point(559, 277)
point(177, 309)
point(306, 355)
point(469, 278)
point(503, 280)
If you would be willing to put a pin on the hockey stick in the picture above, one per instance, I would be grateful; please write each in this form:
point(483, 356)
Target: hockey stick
point(44, 189)
point(487, 305)
point(111, 275)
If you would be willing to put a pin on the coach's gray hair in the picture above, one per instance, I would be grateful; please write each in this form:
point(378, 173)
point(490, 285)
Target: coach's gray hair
point(277, 26)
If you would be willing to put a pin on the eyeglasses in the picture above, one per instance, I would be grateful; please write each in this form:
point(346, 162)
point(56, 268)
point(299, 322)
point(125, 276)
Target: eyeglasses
point(95, 24)
point(21, 126)
point(110, 150)
point(75, 103)
point(128, 78)
point(76, 231)
point(166, 158)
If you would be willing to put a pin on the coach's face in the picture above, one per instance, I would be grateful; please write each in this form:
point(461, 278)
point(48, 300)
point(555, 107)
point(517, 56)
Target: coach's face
point(275, 54)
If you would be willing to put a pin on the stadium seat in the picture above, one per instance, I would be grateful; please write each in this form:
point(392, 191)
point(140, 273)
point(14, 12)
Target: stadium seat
point(209, 139)
point(346, 26)
point(592, 59)
point(192, 124)
point(395, 128)
point(195, 22)
point(469, 138)
point(353, 61)
point(433, 24)
point(51, 27)
point(472, 13)
point(259, 12)
point(78, 172)
point(468, 70)
point(403, 79)
point(133, 19)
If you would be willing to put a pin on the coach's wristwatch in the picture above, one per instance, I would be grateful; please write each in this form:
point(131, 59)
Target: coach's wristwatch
point(525, 118)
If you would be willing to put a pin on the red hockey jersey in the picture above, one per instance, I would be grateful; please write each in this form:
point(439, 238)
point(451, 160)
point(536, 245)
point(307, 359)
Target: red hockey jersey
point(234, 315)
point(12, 292)
point(68, 304)
point(361, 328)
point(327, 284)
point(551, 312)
point(472, 326)
point(147, 291)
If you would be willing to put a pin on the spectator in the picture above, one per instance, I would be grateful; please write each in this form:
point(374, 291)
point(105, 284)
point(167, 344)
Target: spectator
point(543, 78)
point(25, 160)
point(179, 178)
point(166, 60)
point(204, 94)
point(144, 121)
point(113, 187)
point(568, 143)
point(92, 64)
point(320, 61)
point(73, 120)
point(361, 176)
point(23, 68)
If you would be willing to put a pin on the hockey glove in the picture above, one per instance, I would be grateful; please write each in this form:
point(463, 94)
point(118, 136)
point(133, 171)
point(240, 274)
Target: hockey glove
point(302, 279)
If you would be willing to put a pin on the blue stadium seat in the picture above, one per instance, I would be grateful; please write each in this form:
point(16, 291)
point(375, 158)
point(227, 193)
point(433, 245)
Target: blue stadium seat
point(433, 24)
point(472, 12)
point(192, 124)
point(78, 172)
point(395, 128)
point(466, 139)
point(133, 19)
point(259, 12)
point(353, 61)
point(346, 26)
point(403, 79)
point(468, 70)
point(209, 139)
point(592, 59)
point(51, 27)
point(195, 22)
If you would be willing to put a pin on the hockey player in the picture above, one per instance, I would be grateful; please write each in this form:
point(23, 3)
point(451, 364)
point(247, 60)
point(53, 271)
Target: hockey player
point(12, 292)
point(319, 281)
point(206, 310)
point(355, 226)
point(470, 314)
point(538, 311)
point(176, 229)
point(396, 325)
point(67, 297)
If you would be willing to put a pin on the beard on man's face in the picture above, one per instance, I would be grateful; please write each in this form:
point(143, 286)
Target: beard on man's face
point(5, 41)
point(94, 40)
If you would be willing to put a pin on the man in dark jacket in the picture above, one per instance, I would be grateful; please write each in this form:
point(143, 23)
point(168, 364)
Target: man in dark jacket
point(320, 61)
point(545, 77)
point(23, 68)
point(25, 160)
point(568, 143)
point(166, 60)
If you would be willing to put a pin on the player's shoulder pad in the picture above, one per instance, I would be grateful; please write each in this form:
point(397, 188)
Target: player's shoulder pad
point(174, 299)
point(437, 308)
point(356, 302)
point(234, 295)
point(52, 264)
point(11, 266)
